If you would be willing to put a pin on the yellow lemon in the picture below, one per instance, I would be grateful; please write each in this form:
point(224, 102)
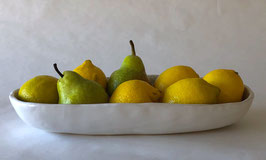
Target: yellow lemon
point(135, 91)
point(172, 75)
point(229, 82)
point(89, 71)
point(40, 89)
point(191, 91)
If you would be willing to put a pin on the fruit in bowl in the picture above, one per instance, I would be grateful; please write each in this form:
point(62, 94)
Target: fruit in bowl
point(40, 89)
point(172, 75)
point(132, 68)
point(229, 82)
point(191, 91)
point(136, 104)
point(89, 71)
point(130, 118)
point(135, 91)
point(87, 84)
point(74, 89)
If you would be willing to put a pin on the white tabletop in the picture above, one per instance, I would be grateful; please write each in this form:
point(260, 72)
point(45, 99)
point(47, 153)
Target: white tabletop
point(245, 140)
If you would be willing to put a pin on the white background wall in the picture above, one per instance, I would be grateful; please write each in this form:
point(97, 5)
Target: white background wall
point(206, 35)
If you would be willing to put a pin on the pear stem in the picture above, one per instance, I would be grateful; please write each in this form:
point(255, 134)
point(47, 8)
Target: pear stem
point(132, 48)
point(57, 70)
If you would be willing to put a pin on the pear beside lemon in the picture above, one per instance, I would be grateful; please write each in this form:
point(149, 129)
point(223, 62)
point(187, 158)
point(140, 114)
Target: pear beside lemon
point(131, 68)
point(88, 84)
point(229, 82)
point(135, 91)
point(40, 89)
point(74, 89)
point(191, 91)
point(89, 71)
point(172, 75)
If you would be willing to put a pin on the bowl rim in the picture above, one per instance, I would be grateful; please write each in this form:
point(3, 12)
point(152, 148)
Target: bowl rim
point(13, 97)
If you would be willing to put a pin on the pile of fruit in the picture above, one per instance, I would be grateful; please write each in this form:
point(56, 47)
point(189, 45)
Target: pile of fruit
point(88, 84)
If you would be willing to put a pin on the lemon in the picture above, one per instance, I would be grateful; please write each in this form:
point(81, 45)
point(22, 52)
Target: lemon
point(191, 91)
point(40, 89)
point(89, 71)
point(229, 82)
point(135, 91)
point(172, 75)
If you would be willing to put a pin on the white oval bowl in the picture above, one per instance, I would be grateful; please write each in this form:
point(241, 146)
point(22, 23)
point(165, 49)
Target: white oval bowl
point(130, 118)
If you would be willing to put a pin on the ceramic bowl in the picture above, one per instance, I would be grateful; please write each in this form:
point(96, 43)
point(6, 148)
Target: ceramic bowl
point(130, 118)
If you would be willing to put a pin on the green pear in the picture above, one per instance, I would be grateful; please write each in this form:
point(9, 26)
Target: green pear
point(74, 89)
point(132, 68)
